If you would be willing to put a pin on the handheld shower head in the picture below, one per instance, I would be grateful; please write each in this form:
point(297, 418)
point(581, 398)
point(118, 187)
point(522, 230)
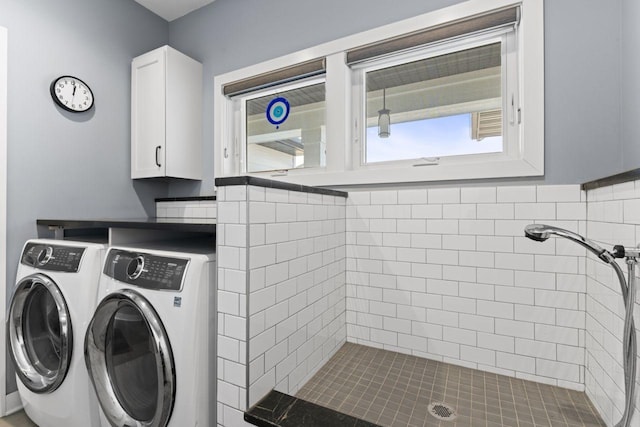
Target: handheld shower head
point(537, 232)
point(541, 232)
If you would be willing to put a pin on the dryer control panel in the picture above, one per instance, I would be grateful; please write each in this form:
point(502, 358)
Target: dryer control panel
point(146, 270)
point(52, 257)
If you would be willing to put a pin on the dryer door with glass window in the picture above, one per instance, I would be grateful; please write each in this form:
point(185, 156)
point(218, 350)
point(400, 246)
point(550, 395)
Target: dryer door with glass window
point(40, 334)
point(129, 359)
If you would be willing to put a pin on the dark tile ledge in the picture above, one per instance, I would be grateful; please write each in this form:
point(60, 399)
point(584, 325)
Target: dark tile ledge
point(620, 178)
point(270, 183)
point(185, 199)
point(277, 409)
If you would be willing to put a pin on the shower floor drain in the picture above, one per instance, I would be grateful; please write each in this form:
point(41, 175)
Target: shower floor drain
point(442, 411)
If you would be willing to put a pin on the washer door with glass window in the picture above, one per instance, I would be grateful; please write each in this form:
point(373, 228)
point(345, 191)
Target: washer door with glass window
point(40, 333)
point(130, 362)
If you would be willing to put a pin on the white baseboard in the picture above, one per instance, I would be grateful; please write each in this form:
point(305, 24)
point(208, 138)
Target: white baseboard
point(13, 403)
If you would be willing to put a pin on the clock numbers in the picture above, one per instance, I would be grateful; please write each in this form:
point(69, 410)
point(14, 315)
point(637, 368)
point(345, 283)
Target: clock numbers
point(72, 94)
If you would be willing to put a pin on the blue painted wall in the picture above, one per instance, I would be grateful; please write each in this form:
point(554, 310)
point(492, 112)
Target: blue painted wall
point(582, 66)
point(65, 165)
point(630, 84)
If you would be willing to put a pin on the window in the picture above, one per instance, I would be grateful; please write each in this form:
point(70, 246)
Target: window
point(460, 89)
point(284, 128)
point(447, 104)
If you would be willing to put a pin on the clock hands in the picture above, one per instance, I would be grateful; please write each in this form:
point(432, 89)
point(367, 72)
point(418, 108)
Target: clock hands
point(71, 94)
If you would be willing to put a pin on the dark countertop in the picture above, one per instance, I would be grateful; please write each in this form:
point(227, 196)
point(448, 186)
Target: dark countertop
point(200, 225)
point(620, 178)
point(282, 410)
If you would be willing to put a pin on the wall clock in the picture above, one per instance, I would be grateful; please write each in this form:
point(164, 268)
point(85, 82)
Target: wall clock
point(71, 94)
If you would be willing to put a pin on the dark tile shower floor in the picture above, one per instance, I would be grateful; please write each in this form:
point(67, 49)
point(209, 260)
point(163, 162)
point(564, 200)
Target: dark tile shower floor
point(393, 389)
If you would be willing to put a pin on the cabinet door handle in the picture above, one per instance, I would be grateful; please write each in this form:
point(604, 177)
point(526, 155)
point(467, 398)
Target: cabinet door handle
point(157, 152)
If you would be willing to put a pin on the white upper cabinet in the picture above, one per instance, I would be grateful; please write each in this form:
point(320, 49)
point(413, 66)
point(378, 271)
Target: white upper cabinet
point(166, 115)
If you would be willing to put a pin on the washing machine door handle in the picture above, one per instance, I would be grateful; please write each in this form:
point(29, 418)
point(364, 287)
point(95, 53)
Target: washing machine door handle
point(41, 367)
point(98, 358)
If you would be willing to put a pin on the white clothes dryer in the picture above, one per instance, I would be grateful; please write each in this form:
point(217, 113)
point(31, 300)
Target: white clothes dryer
point(54, 299)
point(150, 346)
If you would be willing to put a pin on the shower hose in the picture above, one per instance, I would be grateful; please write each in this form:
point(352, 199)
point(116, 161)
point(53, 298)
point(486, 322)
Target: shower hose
point(629, 339)
point(541, 232)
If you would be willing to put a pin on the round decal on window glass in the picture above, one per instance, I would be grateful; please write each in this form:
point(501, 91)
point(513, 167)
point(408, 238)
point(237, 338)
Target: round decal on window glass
point(278, 111)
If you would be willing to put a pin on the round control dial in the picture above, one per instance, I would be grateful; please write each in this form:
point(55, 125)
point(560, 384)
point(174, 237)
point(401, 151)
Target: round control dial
point(135, 267)
point(44, 255)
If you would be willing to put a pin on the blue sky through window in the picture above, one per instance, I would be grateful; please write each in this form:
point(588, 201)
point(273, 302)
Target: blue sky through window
point(438, 137)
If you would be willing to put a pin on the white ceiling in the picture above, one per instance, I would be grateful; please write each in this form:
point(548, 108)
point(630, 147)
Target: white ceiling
point(173, 9)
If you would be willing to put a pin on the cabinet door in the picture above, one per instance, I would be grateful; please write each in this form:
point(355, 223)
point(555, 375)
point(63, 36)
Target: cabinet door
point(148, 130)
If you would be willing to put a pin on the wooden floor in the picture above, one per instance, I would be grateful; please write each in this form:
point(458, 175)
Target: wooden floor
point(19, 419)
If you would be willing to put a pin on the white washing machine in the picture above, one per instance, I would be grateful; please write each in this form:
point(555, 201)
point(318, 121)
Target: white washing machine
point(54, 299)
point(150, 346)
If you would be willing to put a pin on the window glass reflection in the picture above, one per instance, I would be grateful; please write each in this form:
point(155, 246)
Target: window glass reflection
point(287, 130)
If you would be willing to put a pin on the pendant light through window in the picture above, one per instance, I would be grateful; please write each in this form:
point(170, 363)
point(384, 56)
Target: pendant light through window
point(384, 118)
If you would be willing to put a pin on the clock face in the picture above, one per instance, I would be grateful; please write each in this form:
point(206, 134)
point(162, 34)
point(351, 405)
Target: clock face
point(72, 94)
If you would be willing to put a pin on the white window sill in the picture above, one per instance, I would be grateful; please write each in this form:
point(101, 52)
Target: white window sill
point(433, 173)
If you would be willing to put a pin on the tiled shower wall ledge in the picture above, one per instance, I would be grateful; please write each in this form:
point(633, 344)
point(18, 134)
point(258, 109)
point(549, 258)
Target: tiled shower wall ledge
point(447, 274)
point(613, 218)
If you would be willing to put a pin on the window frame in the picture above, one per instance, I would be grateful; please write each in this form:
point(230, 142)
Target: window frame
point(342, 133)
point(509, 87)
point(240, 126)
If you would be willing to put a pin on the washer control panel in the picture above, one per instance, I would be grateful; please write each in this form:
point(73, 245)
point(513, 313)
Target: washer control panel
point(52, 257)
point(146, 270)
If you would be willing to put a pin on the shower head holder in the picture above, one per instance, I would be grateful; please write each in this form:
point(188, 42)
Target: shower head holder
point(620, 251)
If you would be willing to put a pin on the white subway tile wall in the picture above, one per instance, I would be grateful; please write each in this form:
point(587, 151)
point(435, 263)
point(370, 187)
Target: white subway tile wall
point(297, 274)
point(440, 273)
point(447, 274)
point(288, 249)
point(232, 303)
point(613, 217)
point(187, 209)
